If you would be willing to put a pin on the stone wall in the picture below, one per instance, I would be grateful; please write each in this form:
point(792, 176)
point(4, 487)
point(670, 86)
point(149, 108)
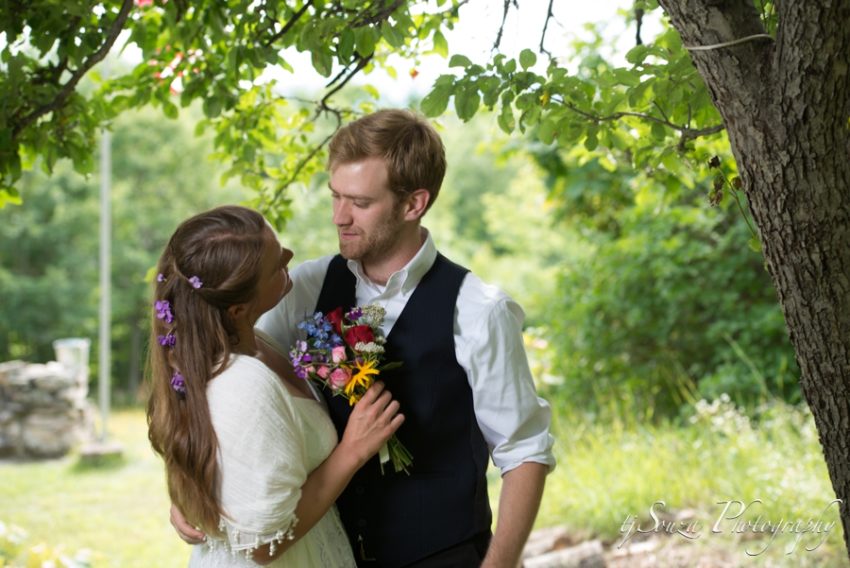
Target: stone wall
point(43, 409)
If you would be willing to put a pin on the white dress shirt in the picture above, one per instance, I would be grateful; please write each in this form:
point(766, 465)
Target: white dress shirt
point(488, 346)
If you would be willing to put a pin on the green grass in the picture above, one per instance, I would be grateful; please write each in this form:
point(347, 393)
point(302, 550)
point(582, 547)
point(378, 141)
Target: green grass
point(605, 472)
point(118, 510)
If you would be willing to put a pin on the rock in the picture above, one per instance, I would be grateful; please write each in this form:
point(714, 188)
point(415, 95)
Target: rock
point(585, 555)
point(48, 435)
point(43, 409)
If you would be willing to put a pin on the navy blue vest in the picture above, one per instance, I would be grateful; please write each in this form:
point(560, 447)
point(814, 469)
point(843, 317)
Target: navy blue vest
point(395, 519)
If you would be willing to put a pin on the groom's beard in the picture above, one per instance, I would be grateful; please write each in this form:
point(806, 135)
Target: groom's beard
point(374, 245)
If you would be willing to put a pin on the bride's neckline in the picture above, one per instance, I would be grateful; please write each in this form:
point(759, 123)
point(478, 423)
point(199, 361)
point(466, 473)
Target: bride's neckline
point(293, 390)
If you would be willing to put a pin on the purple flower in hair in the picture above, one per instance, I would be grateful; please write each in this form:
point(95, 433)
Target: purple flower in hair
point(167, 340)
point(163, 311)
point(160, 277)
point(178, 383)
point(195, 282)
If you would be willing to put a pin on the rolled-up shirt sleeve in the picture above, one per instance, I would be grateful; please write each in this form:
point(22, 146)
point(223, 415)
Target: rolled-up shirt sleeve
point(488, 339)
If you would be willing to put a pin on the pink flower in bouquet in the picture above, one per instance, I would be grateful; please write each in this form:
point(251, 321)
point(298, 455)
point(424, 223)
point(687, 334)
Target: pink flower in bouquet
point(338, 354)
point(340, 377)
point(358, 334)
point(323, 371)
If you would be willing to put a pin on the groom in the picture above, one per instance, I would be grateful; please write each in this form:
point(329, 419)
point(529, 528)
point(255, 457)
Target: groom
point(465, 387)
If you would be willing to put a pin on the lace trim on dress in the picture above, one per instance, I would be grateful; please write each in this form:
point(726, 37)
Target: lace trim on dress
point(236, 540)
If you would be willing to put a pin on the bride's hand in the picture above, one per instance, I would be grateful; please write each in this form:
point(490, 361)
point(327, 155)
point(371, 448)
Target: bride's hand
point(374, 419)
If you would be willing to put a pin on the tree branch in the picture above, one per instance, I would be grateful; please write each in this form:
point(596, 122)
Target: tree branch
point(505, 11)
point(361, 63)
point(549, 16)
point(686, 131)
point(380, 16)
point(288, 25)
point(305, 160)
point(638, 22)
point(69, 87)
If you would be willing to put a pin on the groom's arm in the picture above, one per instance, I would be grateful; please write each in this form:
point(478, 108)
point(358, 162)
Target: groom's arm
point(513, 419)
point(522, 489)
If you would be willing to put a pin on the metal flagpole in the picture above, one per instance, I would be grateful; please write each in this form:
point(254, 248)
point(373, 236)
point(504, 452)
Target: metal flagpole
point(105, 237)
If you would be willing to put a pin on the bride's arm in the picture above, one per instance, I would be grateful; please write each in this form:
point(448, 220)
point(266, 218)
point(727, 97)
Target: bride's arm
point(374, 419)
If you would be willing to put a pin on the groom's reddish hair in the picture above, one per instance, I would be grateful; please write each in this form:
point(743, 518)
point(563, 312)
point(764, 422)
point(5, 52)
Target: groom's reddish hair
point(410, 146)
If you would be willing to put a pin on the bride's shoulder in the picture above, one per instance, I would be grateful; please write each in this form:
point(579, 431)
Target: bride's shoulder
point(246, 378)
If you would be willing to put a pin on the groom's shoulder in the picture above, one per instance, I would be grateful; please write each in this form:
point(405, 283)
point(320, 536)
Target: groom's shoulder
point(311, 272)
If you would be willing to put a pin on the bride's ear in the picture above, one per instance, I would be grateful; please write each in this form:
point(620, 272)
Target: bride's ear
point(237, 311)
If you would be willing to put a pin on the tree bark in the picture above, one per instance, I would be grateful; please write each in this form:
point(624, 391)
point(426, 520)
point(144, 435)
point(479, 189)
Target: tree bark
point(786, 106)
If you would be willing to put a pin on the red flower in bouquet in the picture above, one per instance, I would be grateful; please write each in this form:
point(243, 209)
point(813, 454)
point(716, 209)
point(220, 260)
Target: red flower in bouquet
point(359, 334)
point(335, 319)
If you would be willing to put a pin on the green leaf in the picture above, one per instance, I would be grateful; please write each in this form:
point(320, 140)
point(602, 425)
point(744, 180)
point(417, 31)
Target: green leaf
point(373, 92)
point(458, 60)
point(509, 67)
point(364, 38)
point(435, 103)
point(527, 58)
point(490, 89)
point(467, 101)
point(392, 35)
point(658, 131)
point(637, 54)
point(322, 62)
point(441, 46)
point(627, 77)
point(212, 107)
point(345, 46)
point(506, 119)
point(169, 109)
point(546, 132)
point(640, 94)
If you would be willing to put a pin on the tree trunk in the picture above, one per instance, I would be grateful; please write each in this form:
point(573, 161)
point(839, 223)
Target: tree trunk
point(786, 107)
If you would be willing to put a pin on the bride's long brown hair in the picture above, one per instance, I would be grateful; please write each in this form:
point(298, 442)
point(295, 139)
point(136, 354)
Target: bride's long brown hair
point(221, 250)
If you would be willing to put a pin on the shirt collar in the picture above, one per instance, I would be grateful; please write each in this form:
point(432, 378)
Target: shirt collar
point(407, 278)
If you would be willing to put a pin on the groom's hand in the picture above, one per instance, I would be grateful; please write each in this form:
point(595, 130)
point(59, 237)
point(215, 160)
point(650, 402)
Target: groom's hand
point(186, 531)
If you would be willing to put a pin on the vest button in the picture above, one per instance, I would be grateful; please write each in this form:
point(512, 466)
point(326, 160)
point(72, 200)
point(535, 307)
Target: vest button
point(362, 523)
point(359, 489)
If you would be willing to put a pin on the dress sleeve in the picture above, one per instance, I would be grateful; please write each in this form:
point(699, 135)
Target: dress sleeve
point(262, 461)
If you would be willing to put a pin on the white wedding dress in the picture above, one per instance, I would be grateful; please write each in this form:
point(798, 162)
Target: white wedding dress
point(269, 441)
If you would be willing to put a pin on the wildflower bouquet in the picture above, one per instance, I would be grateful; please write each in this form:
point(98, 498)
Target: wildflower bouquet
point(343, 353)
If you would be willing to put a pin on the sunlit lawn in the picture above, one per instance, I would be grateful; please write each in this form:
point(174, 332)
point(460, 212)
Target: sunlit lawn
point(119, 511)
point(605, 472)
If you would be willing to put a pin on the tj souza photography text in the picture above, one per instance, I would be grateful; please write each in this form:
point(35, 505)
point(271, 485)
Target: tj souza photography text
point(736, 518)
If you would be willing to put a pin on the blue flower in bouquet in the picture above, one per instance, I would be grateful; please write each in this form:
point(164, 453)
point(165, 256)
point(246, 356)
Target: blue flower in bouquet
point(320, 333)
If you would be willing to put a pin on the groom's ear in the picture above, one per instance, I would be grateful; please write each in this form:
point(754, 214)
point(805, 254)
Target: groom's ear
point(416, 204)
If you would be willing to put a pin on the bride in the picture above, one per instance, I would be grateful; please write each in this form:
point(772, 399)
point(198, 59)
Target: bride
point(250, 454)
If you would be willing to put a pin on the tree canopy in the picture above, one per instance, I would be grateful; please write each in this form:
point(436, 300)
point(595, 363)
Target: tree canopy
point(648, 115)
